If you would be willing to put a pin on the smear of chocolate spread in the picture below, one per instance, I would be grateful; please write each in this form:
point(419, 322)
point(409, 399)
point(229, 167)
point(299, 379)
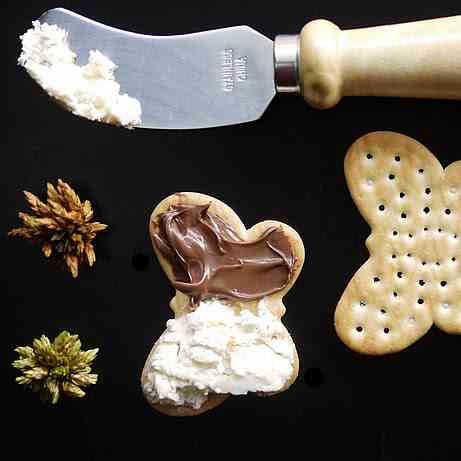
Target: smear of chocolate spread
point(210, 260)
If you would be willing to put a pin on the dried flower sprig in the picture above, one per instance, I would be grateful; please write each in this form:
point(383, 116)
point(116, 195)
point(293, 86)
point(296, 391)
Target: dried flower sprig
point(61, 225)
point(57, 367)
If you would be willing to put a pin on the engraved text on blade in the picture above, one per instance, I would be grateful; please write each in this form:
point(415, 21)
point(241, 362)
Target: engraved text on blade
point(233, 69)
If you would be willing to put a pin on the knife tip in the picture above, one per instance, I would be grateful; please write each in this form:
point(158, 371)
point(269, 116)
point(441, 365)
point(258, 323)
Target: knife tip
point(54, 13)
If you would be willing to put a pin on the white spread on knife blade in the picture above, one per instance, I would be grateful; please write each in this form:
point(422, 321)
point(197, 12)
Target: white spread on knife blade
point(89, 91)
point(217, 349)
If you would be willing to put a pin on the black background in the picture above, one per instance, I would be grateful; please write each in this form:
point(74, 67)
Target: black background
point(286, 166)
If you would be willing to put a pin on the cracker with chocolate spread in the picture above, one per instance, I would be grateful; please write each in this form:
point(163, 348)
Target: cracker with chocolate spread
point(226, 337)
point(413, 276)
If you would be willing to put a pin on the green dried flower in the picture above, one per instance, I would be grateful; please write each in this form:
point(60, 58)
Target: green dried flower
point(55, 368)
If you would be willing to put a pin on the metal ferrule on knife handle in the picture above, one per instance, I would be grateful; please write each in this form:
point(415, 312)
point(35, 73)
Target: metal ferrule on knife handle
point(417, 59)
point(286, 61)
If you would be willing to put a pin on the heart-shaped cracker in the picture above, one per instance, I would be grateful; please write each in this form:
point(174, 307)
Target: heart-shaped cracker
point(181, 304)
point(413, 276)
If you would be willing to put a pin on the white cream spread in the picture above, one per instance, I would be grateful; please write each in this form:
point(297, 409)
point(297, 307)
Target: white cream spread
point(219, 349)
point(89, 91)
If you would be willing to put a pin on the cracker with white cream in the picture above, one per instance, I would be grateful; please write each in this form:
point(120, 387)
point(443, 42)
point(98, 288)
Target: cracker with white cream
point(413, 276)
point(226, 337)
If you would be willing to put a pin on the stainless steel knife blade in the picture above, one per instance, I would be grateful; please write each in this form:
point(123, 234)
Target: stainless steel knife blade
point(206, 79)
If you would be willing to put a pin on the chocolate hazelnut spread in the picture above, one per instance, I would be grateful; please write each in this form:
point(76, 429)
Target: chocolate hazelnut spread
point(210, 260)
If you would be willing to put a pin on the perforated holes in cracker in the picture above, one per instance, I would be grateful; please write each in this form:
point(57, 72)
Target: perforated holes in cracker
point(413, 276)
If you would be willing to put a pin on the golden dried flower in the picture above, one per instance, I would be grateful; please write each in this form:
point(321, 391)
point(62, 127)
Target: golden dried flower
point(61, 225)
point(57, 367)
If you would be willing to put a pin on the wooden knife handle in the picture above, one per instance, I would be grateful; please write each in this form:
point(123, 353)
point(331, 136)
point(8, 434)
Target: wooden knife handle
point(417, 59)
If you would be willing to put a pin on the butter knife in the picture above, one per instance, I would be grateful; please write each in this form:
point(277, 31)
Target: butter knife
point(229, 76)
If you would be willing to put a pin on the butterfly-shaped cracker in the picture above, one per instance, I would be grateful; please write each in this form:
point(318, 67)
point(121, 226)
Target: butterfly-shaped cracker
point(182, 304)
point(413, 276)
